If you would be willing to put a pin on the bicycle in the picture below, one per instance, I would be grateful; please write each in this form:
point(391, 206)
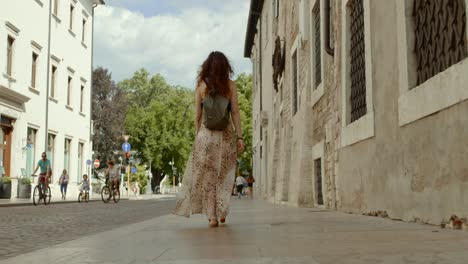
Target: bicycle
point(38, 193)
point(107, 194)
point(83, 196)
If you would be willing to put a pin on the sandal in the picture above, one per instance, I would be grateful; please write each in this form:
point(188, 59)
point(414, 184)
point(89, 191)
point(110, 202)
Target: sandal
point(214, 223)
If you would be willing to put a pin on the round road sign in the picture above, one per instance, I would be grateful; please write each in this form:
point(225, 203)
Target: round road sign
point(97, 163)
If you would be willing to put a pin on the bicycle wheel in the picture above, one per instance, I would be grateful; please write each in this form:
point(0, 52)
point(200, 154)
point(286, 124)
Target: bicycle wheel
point(105, 194)
point(80, 197)
point(116, 195)
point(47, 196)
point(36, 196)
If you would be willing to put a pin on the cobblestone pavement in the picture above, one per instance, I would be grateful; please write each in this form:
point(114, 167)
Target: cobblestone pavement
point(29, 228)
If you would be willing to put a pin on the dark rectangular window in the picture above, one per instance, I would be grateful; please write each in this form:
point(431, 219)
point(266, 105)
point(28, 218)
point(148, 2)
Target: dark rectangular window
point(318, 181)
point(81, 98)
point(34, 70)
point(358, 61)
point(83, 33)
point(69, 90)
point(72, 14)
point(10, 45)
point(53, 81)
point(317, 46)
point(440, 36)
point(294, 82)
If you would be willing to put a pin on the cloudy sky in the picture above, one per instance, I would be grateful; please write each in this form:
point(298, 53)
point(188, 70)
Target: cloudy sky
point(171, 37)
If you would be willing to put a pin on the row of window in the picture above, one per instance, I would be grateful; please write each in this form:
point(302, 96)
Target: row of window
point(34, 73)
point(51, 154)
point(440, 42)
point(71, 12)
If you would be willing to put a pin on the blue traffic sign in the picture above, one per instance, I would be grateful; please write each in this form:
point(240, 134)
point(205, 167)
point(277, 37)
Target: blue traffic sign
point(89, 162)
point(134, 170)
point(126, 147)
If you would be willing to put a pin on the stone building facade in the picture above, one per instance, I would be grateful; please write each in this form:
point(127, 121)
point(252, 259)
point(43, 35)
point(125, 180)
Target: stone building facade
point(361, 105)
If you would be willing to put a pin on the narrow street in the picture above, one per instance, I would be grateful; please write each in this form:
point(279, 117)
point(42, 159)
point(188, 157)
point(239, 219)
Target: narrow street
point(256, 232)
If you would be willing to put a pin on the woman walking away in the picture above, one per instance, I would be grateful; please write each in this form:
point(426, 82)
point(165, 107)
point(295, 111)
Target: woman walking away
point(240, 182)
point(63, 182)
point(250, 182)
point(211, 168)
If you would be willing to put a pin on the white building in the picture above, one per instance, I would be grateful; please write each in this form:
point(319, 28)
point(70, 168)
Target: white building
point(34, 114)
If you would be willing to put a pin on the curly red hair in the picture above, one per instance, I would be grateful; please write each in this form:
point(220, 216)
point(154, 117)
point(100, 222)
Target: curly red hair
point(216, 72)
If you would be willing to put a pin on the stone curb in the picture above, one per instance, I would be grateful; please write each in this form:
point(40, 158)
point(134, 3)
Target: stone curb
point(30, 203)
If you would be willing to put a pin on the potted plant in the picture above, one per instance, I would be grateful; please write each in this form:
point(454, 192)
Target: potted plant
point(5, 189)
point(24, 187)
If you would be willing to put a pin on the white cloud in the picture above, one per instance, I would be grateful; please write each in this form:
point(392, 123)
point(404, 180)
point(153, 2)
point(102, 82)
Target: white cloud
point(174, 45)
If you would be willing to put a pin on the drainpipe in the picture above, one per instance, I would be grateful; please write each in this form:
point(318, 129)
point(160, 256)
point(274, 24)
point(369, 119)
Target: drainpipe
point(48, 78)
point(91, 92)
point(328, 46)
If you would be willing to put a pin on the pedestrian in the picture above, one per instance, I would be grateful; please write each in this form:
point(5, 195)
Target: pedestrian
point(250, 182)
point(63, 182)
point(211, 168)
point(240, 181)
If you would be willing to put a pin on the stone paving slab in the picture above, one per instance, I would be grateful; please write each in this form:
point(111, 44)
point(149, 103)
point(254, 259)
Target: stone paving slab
point(258, 232)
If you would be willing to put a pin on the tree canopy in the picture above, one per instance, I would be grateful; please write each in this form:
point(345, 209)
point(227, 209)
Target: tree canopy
point(109, 108)
point(159, 118)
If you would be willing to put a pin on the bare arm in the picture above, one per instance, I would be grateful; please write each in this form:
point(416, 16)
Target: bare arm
point(198, 107)
point(235, 110)
point(37, 167)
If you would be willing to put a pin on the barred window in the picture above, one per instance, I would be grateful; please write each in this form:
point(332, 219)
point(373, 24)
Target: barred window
point(294, 82)
point(317, 46)
point(358, 61)
point(440, 33)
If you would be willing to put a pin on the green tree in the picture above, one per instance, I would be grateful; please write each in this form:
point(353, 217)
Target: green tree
point(140, 177)
point(109, 105)
point(244, 87)
point(159, 121)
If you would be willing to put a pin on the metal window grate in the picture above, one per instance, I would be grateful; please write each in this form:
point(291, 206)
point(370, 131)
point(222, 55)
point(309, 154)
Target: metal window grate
point(318, 46)
point(318, 180)
point(440, 31)
point(294, 73)
point(358, 61)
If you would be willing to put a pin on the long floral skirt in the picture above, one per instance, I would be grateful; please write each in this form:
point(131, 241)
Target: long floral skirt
point(209, 175)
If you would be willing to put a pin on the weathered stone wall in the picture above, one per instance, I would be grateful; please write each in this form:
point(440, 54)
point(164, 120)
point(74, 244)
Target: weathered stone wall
point(412, 169)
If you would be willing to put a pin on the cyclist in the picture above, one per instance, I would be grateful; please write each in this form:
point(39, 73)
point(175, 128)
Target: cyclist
point(84, 183)
point(112, 174)
point(45, 173)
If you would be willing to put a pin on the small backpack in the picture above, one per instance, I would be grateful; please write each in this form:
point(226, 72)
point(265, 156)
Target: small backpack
point(216, 112)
